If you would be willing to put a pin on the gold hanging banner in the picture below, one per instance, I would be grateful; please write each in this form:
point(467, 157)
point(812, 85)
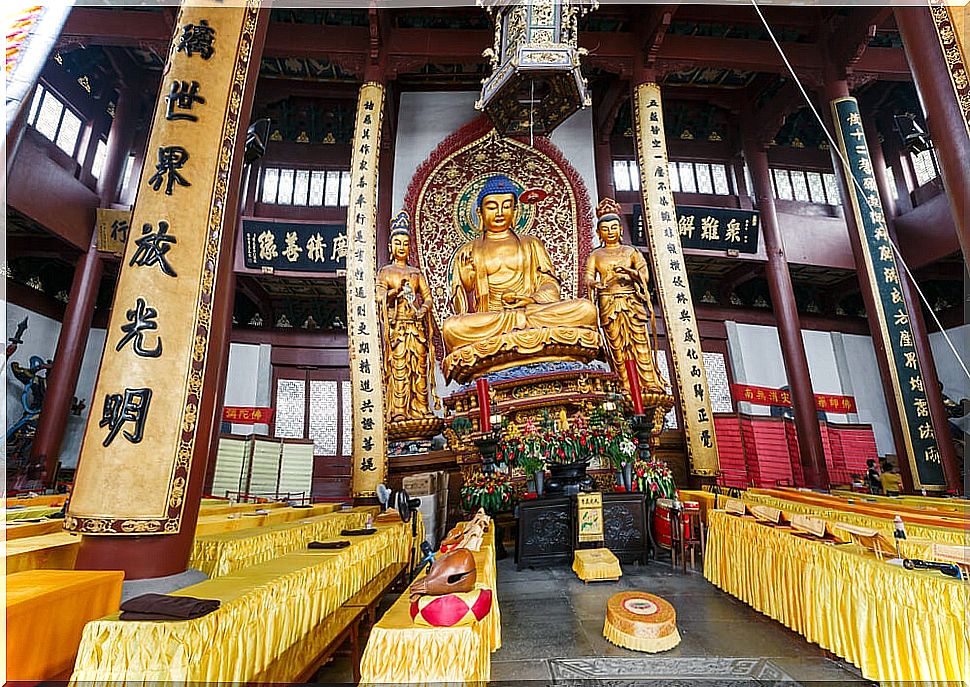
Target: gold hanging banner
point(141, 435)
point(369, 462)
point(670, 271)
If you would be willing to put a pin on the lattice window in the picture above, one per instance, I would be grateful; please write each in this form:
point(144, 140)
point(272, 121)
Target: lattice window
point(290, 408)
point(323, 416)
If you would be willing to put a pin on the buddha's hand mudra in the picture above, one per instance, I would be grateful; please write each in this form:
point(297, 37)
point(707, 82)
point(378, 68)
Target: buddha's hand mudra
point(514, 300)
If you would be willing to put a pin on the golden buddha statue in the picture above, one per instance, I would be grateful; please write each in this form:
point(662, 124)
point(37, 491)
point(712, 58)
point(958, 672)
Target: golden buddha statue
point(517, 314)
point(404, 305)
point(616, 280)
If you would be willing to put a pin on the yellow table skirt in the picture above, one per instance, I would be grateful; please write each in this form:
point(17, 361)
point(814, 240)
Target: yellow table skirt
point(221, 554)
point(894, 624)
point(398, 651)
point(943, 535)
point(267, 610)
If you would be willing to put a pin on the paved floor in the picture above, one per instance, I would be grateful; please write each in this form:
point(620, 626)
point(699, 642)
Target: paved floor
point(552, 633)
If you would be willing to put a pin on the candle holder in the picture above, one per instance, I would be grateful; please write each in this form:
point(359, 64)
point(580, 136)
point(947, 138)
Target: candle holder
point(643, 428)
point(487, 443)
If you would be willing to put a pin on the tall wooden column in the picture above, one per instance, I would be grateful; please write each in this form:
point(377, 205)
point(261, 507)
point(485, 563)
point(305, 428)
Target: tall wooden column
point(76, 326)
point(924, 352)
point(939, 68)
point(810, 448)
point(142, 465)
point(904, 383)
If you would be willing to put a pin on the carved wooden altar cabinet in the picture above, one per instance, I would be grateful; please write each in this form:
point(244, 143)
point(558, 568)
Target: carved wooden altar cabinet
point(547, 533)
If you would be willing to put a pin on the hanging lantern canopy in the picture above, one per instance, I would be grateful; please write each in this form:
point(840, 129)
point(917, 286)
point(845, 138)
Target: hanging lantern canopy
point(536, 81)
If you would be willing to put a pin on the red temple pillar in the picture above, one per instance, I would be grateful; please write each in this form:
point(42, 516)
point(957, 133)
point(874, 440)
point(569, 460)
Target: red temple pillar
point(948, 124)
point(76, 326)
point(789, 324)
point(920, 338)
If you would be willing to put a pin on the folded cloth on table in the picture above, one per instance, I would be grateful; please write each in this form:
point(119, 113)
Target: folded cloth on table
point(357, 533)
point(166, 607)
point(342, 544)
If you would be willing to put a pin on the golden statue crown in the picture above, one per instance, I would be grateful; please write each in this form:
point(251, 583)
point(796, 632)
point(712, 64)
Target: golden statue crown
point(607, 209)
point(401, 224)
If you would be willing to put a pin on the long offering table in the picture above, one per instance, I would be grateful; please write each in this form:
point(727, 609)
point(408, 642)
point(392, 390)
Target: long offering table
point(271, 614)
point(58, 550)
point(399, 651)
point(220, 554)
point(894, 624)
point(945, 528)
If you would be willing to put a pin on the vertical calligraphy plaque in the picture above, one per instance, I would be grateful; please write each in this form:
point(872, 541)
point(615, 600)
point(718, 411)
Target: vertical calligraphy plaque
point(141, 435)
point(670, 272)
point(369, 461)
point(892, 316)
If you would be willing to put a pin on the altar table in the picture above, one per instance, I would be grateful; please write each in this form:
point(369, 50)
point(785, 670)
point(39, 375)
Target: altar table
point(398, 651)
point(46, 612)
point(40, 500)
point(267, 611)
point(894, 624)
point(225, 507)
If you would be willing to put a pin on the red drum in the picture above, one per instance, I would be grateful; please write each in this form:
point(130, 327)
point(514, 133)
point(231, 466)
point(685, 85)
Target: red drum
point(662, 518)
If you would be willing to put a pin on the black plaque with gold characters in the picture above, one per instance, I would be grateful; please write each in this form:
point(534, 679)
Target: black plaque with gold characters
point(294, 247)
point(893, 317)
point(722, 229)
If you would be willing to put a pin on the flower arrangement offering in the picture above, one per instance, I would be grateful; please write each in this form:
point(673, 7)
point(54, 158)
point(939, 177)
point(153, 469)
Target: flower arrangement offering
point(561, 440)
point(655, 478)
point(613, 436)
point(493, 492)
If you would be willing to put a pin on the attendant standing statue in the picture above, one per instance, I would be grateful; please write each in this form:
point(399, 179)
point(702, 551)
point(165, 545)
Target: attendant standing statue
point(404, 305)
point(616, 280)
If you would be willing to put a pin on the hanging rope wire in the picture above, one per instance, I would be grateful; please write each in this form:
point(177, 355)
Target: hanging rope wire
point(861, 193)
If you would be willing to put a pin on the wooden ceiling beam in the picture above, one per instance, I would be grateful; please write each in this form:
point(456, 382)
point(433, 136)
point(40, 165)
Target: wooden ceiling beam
point(93, 26)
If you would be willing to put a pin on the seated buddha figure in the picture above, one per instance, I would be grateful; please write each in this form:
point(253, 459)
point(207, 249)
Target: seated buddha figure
point(516, 314)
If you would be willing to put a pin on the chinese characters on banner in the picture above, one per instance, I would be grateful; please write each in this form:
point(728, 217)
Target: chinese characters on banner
point(671, 278)
point(139, 442)
point(766, 396)
point(112, 227)
point(893, 317)
point(369, 462)
point(247, 415)
point(709, 228)
point(289, 246)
